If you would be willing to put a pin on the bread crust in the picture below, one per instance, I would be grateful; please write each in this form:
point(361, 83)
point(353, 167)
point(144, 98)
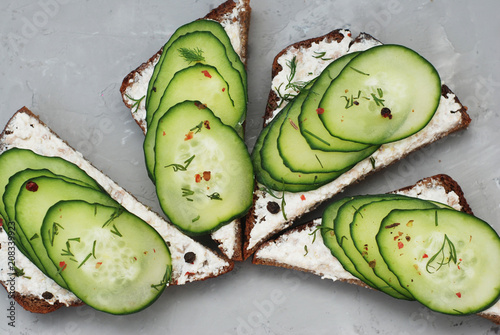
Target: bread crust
point(272, 105)
point(443, 180)
point(35, 304)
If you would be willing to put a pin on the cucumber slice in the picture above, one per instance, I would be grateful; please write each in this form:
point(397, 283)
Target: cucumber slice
point(385, 94)
point(9, 200)
point(274, 165)
point(311, 126)
point(110, 259)
point(204, 174)
point(39, 199)
point(365, 226)
point(448, 260)
point(198, 47)
point(201, 25)
point(265, 178)
point(197, 83)
point(15, 160)
point(298, 156)
point(331, 242)
point(342, 231)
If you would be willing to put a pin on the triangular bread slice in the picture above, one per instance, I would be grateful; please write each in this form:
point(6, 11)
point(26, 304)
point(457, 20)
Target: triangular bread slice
point(311, 57)
point(234, 16)
point(38, 293)
point(302, 248)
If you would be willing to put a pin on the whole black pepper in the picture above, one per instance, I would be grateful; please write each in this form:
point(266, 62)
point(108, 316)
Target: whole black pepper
point(386, 112)
point(273, 207)
point(189, 257)
point(47, 295)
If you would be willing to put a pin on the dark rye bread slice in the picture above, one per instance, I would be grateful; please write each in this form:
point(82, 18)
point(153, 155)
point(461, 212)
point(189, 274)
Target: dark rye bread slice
point(272, 252)
point(260, 215)
point(35, 292)
point(234, 13)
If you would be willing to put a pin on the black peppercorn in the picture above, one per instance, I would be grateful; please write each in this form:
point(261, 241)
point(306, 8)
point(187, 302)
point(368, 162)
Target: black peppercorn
point(189, 257)
point(273, 207)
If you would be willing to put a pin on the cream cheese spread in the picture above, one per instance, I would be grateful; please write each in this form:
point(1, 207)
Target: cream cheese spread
point(24, 131)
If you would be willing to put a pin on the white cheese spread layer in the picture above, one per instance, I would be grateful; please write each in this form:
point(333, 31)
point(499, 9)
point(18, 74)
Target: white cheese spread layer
point(26, 132)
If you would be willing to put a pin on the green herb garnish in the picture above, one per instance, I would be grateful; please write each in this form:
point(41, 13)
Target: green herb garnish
point(316, 137)
point(137, 102)
point(54, 231)
point(18, 272)
point(186, 192)
point(113, 216)
point(445, 255)
point(360, 72)
point(320, 55)
point(115, 231)
point(85, 260)
point(192, 55)
point(180, 167)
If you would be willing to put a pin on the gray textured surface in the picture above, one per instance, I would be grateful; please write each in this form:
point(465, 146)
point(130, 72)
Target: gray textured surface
point(65, 60)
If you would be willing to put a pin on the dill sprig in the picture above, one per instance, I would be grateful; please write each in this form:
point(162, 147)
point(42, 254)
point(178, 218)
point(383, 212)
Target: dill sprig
point(445, 255)
point(137, 102)
point(180, 167)
point(192, 55)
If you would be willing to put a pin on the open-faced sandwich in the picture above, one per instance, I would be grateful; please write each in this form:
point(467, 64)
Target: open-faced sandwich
point(340, 109)
point(119, 261)
point(420, 243)
point(190, 100)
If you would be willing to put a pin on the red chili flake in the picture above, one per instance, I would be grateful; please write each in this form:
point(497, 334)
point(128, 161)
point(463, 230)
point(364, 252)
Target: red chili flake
point(98, 265)
point(1, 222)
point(206, 124)
point(200, 105)
point(145, 252)
point(320, 111)
point(349, 34)
point(223, 89)
point(207, 175)
point(154, 250)
point(135, 258)
point(425, 256)
point(189, 273)
point(459, 294)
point(197, 177)
point(189, 136)
point(62, 265)
point(302, 197)
point(206, 73)
point(293, 124)
point(32, 186)
point(164, 133)
point(400, 245)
